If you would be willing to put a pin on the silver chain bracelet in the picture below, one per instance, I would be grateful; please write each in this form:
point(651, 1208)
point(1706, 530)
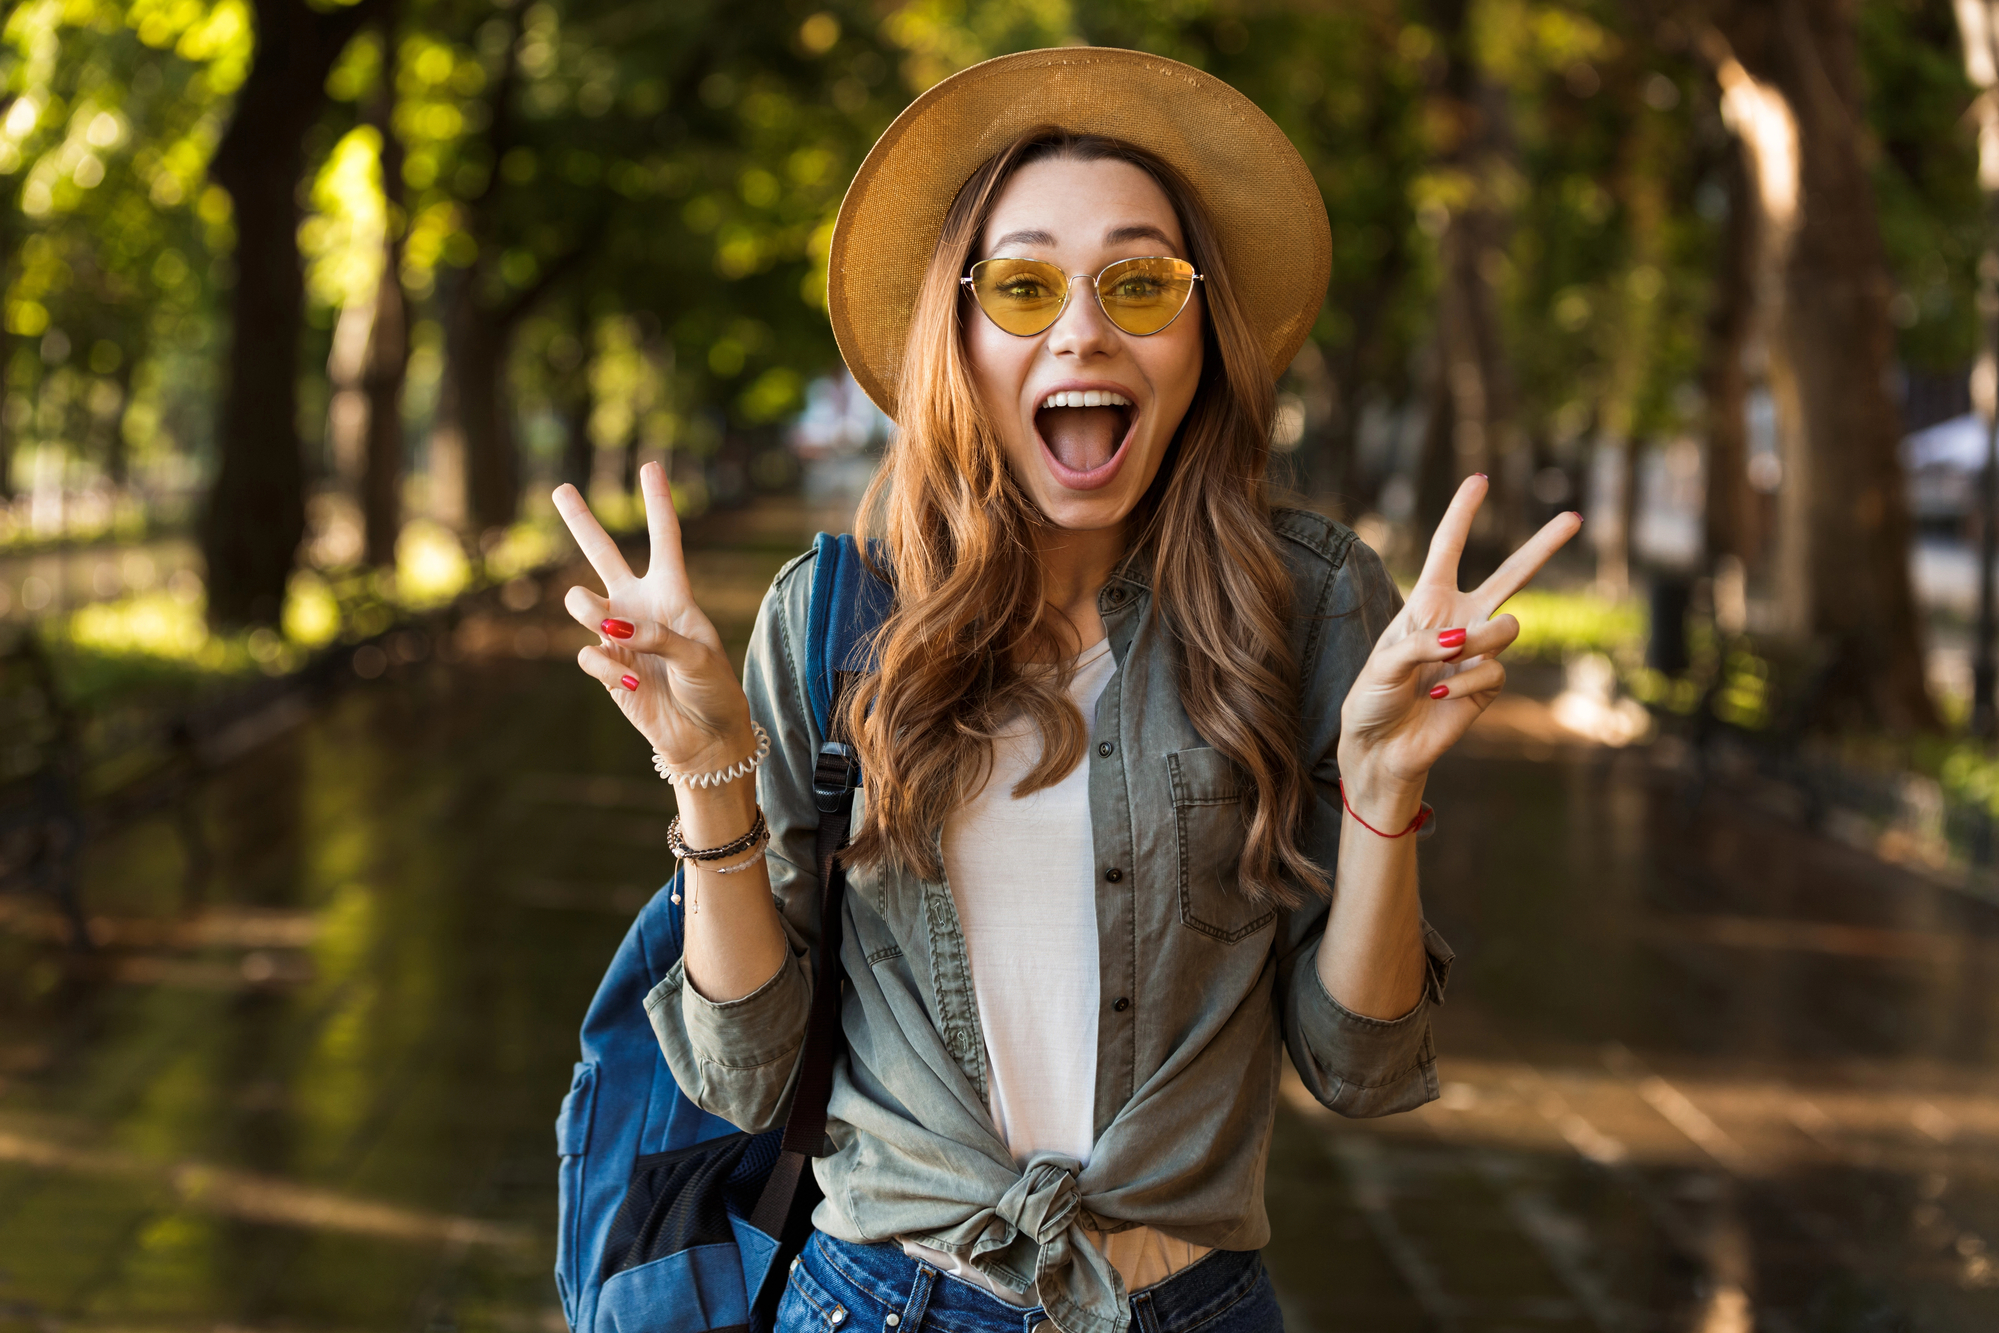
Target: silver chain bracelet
point(742, 768)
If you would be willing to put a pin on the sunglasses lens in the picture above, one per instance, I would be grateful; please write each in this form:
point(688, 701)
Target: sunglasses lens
point(1022, 296)
point(1143, 296)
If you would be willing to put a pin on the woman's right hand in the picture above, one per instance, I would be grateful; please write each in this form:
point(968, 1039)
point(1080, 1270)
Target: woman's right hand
point(657, 654)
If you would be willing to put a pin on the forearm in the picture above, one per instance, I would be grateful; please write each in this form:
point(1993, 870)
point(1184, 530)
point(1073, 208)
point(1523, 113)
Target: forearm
point(735, 940)
point(1371, 959)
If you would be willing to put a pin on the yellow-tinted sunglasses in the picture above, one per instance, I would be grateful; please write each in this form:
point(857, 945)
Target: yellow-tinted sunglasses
point(1026, 296)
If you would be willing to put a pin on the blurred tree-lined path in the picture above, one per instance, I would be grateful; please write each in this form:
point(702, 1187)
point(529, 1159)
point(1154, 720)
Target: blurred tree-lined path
point(300, 275)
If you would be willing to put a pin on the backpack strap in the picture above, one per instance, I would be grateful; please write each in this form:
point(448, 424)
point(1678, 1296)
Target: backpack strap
point(848, 602)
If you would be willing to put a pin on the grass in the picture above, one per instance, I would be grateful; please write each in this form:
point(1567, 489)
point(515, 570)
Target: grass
point(157, 649)
point(1555, 626)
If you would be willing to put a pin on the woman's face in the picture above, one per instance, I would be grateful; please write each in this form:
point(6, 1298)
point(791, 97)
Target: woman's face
point(1086, 467)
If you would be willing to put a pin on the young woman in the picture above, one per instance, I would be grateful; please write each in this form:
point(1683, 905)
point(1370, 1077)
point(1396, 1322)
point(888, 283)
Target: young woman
point(1103, 866)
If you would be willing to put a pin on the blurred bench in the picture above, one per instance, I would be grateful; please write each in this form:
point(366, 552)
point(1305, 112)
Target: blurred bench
point(41, 815)
point(1757, 706)
point(65, 773)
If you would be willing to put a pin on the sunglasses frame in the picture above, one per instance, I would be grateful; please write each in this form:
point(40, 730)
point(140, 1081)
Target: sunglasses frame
point(970, 284)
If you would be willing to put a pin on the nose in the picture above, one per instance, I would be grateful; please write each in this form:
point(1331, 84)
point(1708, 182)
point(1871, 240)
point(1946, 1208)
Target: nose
point(1082, 331)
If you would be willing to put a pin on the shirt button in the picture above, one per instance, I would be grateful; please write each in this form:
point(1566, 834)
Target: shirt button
point(1104, 748)
point(1114, 874)
point(1121, 1004)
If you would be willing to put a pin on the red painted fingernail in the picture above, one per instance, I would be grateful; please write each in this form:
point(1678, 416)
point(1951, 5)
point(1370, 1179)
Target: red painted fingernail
point(617, 629)
point(1450, 638)
point(1481, 476)
point(629, 682)
point(1439, 691)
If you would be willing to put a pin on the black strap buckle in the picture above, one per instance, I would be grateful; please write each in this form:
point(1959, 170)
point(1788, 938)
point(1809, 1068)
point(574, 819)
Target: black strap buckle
point(835, 776)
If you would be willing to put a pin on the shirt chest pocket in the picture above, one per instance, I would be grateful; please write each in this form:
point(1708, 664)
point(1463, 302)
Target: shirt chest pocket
point(1210, 828)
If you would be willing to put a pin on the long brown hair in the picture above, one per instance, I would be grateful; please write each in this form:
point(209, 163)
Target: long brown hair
point(972, 645)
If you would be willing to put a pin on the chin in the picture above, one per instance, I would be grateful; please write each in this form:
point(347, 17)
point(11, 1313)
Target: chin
point(1084, 511)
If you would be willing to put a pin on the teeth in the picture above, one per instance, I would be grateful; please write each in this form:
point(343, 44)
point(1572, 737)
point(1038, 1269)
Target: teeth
point(1086, 398)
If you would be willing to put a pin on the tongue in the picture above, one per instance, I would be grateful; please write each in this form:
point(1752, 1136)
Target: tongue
point(1082, 438)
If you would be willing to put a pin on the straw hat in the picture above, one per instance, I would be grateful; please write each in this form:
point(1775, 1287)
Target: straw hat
point(1256, 189)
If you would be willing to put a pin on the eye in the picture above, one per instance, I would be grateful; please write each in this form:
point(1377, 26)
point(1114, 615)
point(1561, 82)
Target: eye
point(1137, 288)
point(1022, 288)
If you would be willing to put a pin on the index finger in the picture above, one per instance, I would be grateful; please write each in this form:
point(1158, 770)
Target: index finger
point(1520, 567)
point(1447, 544)
point(595, 543)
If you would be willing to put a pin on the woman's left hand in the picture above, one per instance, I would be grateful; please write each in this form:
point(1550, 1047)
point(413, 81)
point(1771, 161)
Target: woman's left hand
point(1433, 670)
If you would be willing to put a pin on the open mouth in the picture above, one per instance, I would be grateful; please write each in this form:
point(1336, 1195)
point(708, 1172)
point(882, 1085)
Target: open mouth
point(1083, 432)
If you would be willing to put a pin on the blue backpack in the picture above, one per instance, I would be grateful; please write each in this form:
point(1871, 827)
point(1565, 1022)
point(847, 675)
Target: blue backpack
point(673, 1220)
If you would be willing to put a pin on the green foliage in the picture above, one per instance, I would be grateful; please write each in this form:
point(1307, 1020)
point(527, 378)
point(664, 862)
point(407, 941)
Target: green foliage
point(646, 194)
point(1558, 625)
point(109, 234)
point(1925, 177)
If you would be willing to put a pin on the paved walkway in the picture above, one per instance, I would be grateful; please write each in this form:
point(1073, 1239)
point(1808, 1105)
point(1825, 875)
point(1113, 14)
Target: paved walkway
point(1700, 1072)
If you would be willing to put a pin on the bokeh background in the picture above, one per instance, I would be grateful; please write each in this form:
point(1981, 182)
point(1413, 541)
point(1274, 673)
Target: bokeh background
point(313, 843)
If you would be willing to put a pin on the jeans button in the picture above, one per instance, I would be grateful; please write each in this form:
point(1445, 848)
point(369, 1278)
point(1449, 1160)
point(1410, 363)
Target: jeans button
point(1046, 1326)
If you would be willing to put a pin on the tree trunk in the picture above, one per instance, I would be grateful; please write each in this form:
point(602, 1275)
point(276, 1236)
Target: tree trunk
point(578, 453)
point(8, 250)
point(477, 363)
point(1731, 515)
point(382, 382)
point(1838, 345)
point(6, 429)
point(1473, 392)
point(117, 456)
point(256, 510)
point(255, 515)
point(388, 342)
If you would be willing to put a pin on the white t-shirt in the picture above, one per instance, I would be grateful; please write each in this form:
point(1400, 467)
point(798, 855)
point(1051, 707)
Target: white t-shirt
point(1023, 875)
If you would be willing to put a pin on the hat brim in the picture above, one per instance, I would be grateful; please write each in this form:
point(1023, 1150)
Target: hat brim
point(1255, 188)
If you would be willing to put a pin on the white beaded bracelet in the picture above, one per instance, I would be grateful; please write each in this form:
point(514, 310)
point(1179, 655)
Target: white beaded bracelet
point(742, 768)
point(740, 866)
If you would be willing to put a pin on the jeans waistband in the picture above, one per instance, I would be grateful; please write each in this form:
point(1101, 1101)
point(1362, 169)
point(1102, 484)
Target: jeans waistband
point(922, 1297)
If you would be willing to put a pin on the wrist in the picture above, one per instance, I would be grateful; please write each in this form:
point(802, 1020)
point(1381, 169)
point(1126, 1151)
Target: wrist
point(711, 752)
point(712, 816)
point(1385, 799)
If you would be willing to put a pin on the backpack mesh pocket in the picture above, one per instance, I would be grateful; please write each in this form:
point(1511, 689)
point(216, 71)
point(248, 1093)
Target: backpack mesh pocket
point(680, 1199)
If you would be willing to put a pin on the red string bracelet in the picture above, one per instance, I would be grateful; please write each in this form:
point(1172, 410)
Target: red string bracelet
point(1422, 817)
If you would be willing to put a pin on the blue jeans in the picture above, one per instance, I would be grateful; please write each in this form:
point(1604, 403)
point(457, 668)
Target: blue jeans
point(839, 1287)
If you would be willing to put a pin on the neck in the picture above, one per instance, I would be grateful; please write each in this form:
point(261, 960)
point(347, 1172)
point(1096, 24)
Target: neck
point(1074, 566)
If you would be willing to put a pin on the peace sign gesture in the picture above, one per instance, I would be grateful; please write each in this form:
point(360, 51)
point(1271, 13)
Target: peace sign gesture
point(657, 654)
point(1432, 670)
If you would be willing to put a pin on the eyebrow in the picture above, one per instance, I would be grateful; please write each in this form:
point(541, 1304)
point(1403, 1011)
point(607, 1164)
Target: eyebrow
point(1142, 231)
point(1024, 238)
point(1136, 231)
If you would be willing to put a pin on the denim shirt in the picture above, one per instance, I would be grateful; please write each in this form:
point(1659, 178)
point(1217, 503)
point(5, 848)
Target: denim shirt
point(1201, 987)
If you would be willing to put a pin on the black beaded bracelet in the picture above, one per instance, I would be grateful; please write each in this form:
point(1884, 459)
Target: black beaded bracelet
point(681, 851)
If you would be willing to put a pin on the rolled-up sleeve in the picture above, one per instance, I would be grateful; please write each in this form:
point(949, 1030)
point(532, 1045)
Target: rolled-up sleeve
point(734, 1059)
point(737, 1059)
point(1353, 1064)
